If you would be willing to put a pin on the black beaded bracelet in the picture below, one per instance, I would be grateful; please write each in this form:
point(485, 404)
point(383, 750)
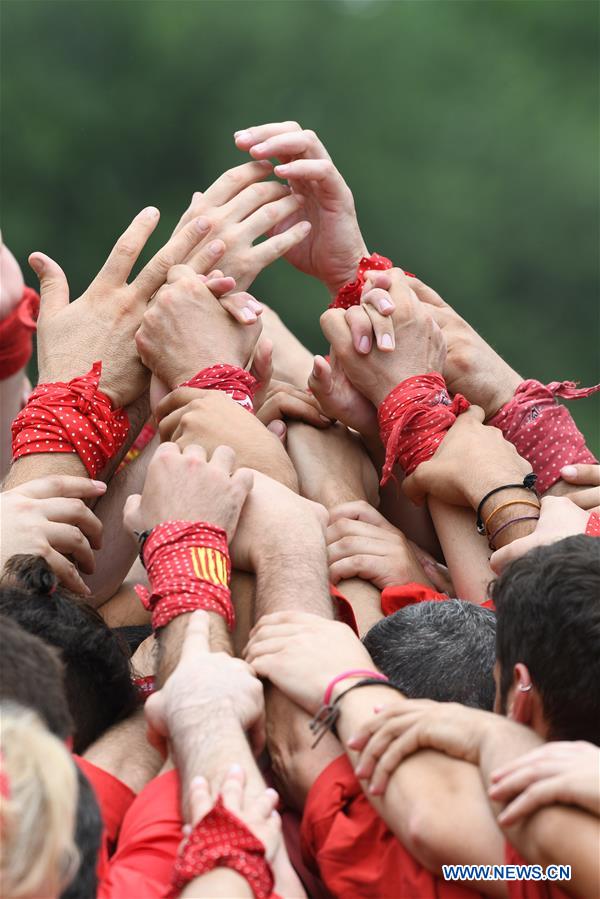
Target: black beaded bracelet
point(528, 483)
point(327, 716)
point(142, 536)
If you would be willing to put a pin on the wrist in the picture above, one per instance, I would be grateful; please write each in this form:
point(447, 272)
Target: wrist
point(358, 251)
point(189, 718)
point(503, 392)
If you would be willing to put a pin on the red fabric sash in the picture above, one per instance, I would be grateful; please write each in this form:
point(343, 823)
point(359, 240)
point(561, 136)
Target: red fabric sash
point(240, 385)
point(16, 332)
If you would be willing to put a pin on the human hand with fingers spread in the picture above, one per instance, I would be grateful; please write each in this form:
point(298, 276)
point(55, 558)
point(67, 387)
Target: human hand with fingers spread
point(101, 324)
point(301, 654)
point(561, 772)
point(48, 517)
point(417, 346)
point(471, 366)
point(243, 207)
point(185, 486)
point(185, 329)
point(334, 245)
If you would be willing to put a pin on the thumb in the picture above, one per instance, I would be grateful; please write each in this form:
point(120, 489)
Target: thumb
point(131, 511)
point(54, 288)
point(320, 380)
point(475, 412)
point(279, 428)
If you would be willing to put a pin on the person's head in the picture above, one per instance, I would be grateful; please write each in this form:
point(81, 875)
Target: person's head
point(98, 680)
point(548, 639)
point(38, 808)
point(32, 674)
point(88, 833)
point(438, 650)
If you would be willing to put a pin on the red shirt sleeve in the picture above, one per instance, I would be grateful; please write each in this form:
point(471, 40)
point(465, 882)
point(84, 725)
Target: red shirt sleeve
point(148, 843)
point(114, 798)
point(357, 855)
point(529, 889)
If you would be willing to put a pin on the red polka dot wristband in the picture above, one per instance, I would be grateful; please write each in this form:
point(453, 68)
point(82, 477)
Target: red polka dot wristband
point(188, 568)
point(350, 293)
point(74, 417)
point(16, 332)
point(593, 525)
point(220, 839)
point(542, 431)
point(413, 420)
point(240, 385)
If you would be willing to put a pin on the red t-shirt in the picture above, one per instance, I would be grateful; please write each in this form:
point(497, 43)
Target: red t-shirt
point(114, 799)
point(357, 855)
point(150, 836)
point(529, 889)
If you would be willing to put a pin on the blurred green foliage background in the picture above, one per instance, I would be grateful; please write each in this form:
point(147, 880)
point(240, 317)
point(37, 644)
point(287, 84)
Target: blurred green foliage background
point(467, 129)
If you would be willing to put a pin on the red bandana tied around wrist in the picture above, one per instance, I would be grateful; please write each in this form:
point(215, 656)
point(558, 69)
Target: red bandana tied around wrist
point(542, 431)
point(413, 420)
point(593, 525)
point(350, 293)
point(221, 840)
point(188, 568)
point(16, 332)
point(240, 385)
point(74, 417)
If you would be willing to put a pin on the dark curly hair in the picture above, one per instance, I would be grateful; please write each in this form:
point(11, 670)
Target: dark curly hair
point(98, 681)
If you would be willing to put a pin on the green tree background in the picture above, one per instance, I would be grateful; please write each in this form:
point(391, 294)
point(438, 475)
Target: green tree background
point(467, 129)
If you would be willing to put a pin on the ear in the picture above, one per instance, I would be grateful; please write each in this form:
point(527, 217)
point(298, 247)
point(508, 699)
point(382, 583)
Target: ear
point(521, 704)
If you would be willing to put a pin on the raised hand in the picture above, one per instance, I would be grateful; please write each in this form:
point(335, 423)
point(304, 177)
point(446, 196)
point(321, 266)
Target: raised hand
point(471, 367)
point(417, 347)
point(333, 248)
point(339, 399)
point(185, 329)
point(48, 517)
point(185, 486)
point(242, 208)
point(101, 324)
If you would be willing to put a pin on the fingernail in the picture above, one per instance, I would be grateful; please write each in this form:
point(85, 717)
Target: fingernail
point(325, 419)
point(257, 148)
point(272, 793)
point(86, 589)
point(351, 741)
point(359, 771)
point(255, 305)
point(150, 212)
point(248, 315)
point(215, 247)
point(569, 471)
point(37, 265)
point(304, 227)
point(364, 344)
point(277, 427)
point(242, 135)
point(386, 304)
point(300, 200)
point(99, 485)
point(235, 769)
point(386, 341)
point(282, 169)
point(198, 781)
point(378, 708)
point(202, 224)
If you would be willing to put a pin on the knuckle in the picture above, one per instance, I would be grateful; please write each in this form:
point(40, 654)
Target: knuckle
point(126, 248)
point(310, 135)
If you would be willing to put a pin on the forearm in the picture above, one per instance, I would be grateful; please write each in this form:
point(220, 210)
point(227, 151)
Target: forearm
point(287, 578)
point(365, 599)
point(554, 835)
point(208, 745)
point(170, 640)
point(118, 553)
point(125, 753)
point(11, 397)
point(434, 804)
point(220, 883)
point(465, 551)
point(40, 465)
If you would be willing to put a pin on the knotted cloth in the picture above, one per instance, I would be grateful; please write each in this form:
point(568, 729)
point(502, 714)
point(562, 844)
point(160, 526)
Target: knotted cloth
point(240, 385)
point(350, 293)
point(543, 431)
point(16, 332)
point(72, 417)
point(188, 568)
point(220, 839)
point(413, 420)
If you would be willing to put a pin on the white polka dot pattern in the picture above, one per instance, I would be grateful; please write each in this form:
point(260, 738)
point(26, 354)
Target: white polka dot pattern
point(542, 431)
point(188, 568)
point(240, 385)
point(74, 417)
point(220, 839)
